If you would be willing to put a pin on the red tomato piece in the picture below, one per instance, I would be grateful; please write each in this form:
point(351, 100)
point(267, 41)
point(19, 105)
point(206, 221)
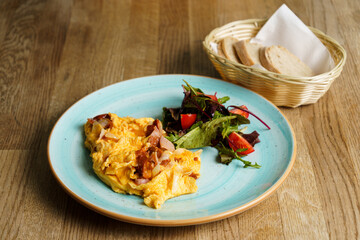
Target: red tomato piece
point(238, 142)
point(213, 97)
point(240, 112)
point(187, 120)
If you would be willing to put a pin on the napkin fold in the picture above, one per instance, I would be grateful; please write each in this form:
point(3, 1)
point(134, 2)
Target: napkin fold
point(286, 29)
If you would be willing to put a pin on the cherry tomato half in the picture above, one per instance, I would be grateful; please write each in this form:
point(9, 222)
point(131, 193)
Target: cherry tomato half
point(240, 112)
point(238, 142)
point(187, 120)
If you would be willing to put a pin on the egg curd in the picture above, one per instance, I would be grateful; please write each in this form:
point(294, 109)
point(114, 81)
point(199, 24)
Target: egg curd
point(132, 156)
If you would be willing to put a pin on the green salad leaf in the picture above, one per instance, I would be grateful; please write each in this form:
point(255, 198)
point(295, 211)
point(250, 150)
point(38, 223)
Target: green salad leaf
point(212, 126)
point(223, 99)
point(227, 155)
point(202, 135)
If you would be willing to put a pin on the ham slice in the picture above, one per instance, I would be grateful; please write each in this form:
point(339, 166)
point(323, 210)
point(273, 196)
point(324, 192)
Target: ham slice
point(158, 124)
point(104, 120)
point(154, 137)
point(144, 164)
point(148, 157)
point(166, 144)
point(140, 181)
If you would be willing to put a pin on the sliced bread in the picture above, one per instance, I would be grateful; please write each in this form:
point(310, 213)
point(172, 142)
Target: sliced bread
point(280, 60)
point(227, 45)
point(247, 52)
point(219, 50)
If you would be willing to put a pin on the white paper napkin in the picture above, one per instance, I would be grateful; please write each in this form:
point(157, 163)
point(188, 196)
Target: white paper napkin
point(286, 29)
point(214, 47)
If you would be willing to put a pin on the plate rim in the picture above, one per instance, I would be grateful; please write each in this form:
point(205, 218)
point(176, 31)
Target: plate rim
point(178, 222)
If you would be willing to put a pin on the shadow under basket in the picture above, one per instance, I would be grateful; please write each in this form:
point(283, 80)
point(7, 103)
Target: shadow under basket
point(282, 90)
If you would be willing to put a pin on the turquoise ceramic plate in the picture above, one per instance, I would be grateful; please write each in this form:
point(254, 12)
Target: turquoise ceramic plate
point(223, 190)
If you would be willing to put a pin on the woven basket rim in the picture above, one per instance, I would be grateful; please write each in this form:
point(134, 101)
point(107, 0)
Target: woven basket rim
point(258, 74)
point(282, 77)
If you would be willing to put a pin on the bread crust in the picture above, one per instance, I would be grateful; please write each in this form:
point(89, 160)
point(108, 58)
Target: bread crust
point(265, 61)
point(272, 58)
point(227, 45)
point(243, 53)
point(220, 51)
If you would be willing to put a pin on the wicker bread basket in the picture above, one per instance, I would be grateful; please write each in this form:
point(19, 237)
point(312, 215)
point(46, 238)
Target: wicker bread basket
point(282, 90)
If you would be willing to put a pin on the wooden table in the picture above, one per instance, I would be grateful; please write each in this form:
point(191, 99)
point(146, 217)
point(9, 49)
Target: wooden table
point(52, 53)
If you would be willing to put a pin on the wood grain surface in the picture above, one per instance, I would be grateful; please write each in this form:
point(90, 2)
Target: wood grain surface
point(52, 53)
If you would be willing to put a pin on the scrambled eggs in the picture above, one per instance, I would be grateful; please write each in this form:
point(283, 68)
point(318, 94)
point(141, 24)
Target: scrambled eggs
point(133, 156)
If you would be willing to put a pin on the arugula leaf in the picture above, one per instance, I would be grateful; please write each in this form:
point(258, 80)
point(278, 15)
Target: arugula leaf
point(227, 155)
point(217, 114)
point(239, 120)
point(227, 129)
point(226, 159)
point(223, 99)
point(192, 89)
point(233, 125)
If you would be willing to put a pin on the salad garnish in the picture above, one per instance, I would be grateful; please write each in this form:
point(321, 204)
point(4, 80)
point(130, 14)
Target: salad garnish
point(244, 109)
point(203, 120)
